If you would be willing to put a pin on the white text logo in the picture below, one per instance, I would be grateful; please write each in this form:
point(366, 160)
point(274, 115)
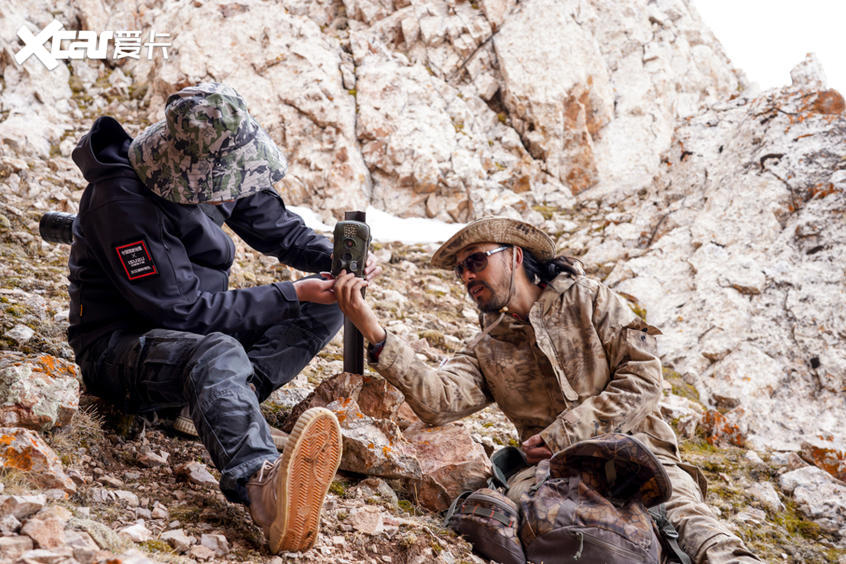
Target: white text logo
point(66, 44)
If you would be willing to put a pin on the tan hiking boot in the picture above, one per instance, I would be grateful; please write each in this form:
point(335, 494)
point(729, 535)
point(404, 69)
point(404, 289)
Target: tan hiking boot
point(185, 425)
point(286, 495)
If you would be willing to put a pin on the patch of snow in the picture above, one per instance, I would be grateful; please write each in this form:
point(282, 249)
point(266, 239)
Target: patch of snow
point(386, 227)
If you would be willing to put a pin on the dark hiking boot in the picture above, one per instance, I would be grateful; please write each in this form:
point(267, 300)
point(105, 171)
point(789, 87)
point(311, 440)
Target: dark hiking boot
point(286, 495)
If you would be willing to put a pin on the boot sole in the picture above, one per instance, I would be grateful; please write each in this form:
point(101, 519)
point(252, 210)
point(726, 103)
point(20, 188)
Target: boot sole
point(308, 465)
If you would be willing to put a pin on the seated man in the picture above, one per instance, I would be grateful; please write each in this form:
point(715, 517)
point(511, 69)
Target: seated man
point(153, 323)
point(562, 355)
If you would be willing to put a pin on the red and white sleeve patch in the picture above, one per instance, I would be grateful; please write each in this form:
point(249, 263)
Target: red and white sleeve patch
point(136, 260)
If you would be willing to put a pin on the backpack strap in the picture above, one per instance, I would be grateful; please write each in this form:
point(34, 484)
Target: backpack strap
point(212, 213)
point(669, 534)
point(454, 506)
point(467, 507)
point(541, 475)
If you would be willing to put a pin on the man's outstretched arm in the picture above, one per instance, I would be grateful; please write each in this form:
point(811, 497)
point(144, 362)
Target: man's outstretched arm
point(436, 396)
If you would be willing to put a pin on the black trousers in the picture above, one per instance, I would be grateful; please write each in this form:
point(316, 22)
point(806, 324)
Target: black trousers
point(160, 368)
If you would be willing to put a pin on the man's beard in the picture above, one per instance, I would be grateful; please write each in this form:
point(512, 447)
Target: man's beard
point(496, 302)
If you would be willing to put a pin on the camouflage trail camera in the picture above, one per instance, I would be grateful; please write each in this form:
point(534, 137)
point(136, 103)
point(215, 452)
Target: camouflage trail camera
point(352, 242)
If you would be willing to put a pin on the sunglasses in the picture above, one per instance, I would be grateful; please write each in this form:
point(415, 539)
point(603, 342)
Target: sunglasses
point(476, 262)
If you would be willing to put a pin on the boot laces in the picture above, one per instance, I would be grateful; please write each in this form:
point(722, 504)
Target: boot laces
point(266, 466)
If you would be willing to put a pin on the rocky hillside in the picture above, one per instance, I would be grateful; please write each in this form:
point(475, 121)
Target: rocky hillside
point(620, 127)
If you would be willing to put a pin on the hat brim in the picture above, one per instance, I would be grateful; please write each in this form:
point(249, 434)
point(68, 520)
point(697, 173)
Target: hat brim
point(495, 230)
point(178, 177)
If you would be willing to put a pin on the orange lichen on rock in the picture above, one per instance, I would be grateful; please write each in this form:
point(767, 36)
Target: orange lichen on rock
point(719, 429)
point(19, 459)
point(828, 102)
point(831, 460)
point(24, 450)
point(54, 367)
point(821, 190)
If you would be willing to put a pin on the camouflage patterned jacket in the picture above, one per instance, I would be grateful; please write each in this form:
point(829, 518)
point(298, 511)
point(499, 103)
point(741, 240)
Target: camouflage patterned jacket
point(582, 365)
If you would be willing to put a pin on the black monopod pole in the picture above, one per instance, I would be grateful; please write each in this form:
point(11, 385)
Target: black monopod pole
point(353, 339)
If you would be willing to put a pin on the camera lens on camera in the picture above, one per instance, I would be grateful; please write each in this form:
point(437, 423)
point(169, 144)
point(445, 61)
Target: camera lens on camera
point(57, 227)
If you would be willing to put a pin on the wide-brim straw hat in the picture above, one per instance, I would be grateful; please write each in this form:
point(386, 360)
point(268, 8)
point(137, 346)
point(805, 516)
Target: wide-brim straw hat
point(496, 230)
point(208, 149)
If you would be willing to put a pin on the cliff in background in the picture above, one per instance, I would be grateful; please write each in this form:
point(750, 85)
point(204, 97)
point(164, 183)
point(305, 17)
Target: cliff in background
point(619, 127)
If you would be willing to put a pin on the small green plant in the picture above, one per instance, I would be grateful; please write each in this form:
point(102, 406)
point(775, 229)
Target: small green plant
point(156, 545)
point(338, 488)
point(406, 506)
point(680, 387)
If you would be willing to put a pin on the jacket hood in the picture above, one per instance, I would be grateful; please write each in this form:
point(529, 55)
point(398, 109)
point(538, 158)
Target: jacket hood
point(103, 151)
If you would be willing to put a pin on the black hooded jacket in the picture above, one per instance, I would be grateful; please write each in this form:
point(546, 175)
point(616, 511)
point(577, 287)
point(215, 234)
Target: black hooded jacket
point(141, 262)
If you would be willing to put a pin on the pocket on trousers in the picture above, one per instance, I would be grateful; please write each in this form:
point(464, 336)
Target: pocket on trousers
point(161, 371)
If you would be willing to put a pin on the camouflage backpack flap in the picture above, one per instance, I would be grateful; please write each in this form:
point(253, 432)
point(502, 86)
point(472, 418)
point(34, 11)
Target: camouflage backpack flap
point(589, 504)
point(489, 521)
point(619, 466)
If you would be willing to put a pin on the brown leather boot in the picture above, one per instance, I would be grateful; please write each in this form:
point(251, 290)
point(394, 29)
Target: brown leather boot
point(286, 495)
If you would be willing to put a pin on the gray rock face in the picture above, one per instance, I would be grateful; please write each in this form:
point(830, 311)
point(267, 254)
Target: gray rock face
point(36, 101)
point(733, 254)
point(288, 72)
point(819, 496)
point(426, 107)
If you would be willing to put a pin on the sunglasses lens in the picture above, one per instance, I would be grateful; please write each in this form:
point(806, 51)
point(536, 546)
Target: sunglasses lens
point(475, 263)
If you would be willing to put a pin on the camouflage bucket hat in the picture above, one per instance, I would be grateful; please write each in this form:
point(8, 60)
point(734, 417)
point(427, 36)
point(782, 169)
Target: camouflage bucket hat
point(207, 149)
point(495, 230)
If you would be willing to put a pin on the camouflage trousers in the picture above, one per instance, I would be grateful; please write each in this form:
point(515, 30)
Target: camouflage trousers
point(701, 535)
point(222, 378)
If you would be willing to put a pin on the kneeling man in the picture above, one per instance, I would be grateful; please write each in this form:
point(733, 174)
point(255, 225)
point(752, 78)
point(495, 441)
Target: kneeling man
point(561, 354)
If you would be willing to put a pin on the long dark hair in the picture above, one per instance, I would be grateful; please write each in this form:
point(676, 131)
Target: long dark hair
point(538, 271)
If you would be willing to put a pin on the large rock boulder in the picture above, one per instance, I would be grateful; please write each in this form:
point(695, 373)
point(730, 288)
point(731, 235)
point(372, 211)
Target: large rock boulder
point(25, 451)
point(37, 392)
point(819, 496)
point(375, 447)
point(451, 463)
point(381, 439)
point(374, 396)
